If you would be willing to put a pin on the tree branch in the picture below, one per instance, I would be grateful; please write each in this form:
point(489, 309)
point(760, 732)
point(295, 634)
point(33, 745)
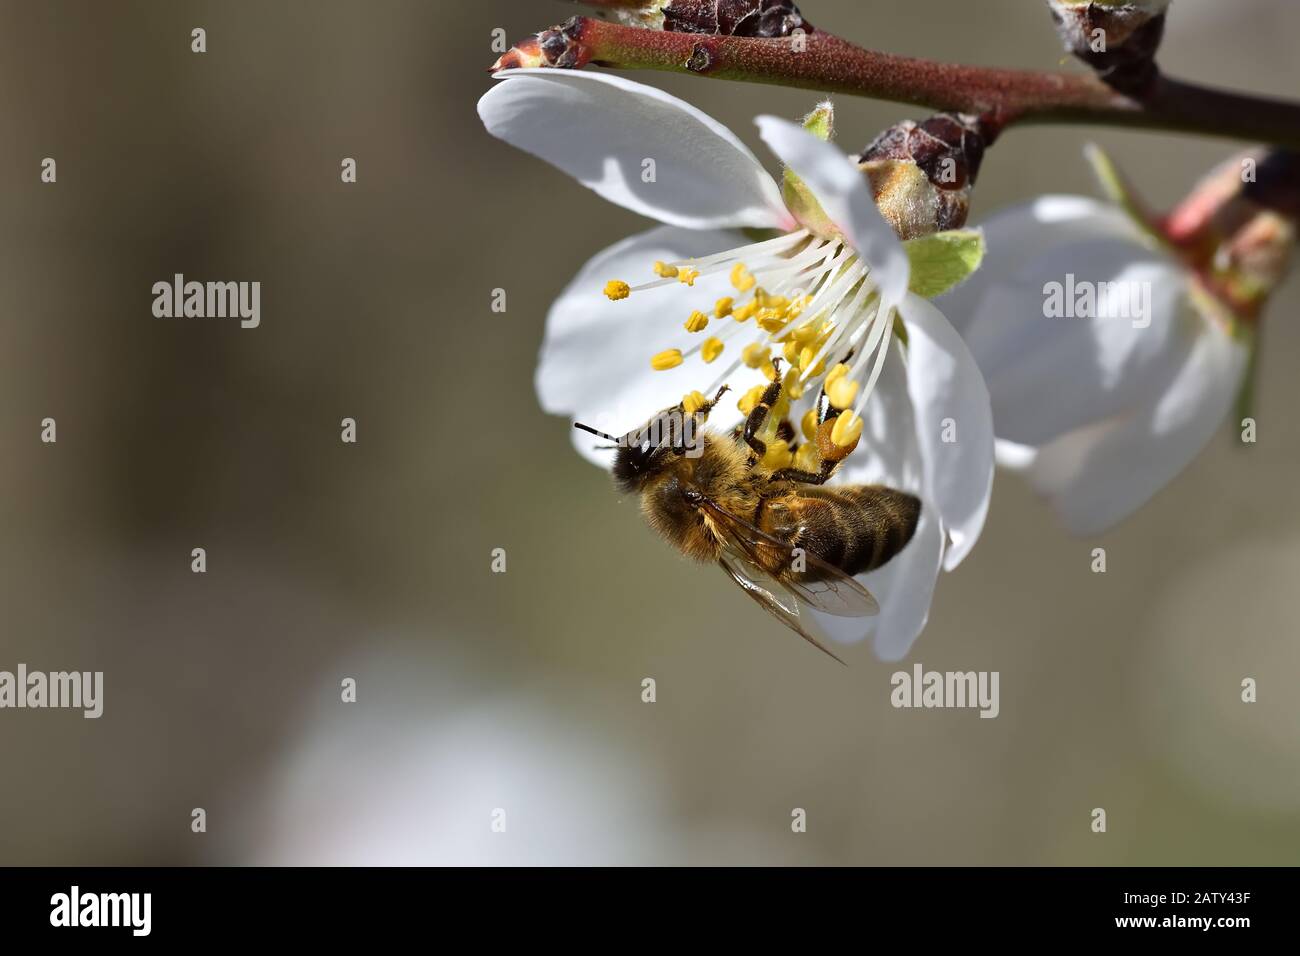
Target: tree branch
point(1001, 97)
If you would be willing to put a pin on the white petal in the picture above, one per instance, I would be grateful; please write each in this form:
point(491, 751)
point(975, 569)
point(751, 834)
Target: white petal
point(1093, 368)
point(1014, 457)
point(845, 196)
point(602, 129)
point(1099, 475)
point(595, 360)
point(1020, 233)
point(888, 453)
point(954, 424)
point(904, 587)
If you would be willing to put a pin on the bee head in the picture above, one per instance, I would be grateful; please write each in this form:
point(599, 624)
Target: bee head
point(644, 451)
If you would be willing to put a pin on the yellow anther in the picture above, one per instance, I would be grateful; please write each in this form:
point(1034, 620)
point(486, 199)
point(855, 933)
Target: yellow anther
point(816, 369)
point(809, 424)
point(741, 279)
point(749, 400)
point(792, 388)
point(669, 358)
point(697, 322)
point(806, 356)
point(692, 402)
point(711, 349)
point(769, 370)
point(807, 458)
point(616, 289)
point(665, 271)
point(778, 456)
point(842, 392)
point(835, 374)
point(791, 352)
point(771, 320)
point(722, 308)
point(847, 429)
point(745, 312)
point(687, 276)
point(754, 355)
point(805, 333)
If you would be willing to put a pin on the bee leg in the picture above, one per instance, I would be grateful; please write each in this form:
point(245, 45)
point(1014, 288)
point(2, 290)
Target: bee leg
point(819, 477)
point(758, 415)
point(696, 422)
point(786, 433)
point(708, 406)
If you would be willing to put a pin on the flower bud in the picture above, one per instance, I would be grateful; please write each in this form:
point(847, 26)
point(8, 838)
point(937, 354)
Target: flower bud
point(922, 173)
point(1118, 38)
point(560, 47)
point(1238, 227)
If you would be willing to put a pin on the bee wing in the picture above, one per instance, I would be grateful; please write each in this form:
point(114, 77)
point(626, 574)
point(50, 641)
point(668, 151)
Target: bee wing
point(768, 592)
point(836, 593)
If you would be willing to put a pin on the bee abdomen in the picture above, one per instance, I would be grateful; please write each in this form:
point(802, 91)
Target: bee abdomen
point(859, 529)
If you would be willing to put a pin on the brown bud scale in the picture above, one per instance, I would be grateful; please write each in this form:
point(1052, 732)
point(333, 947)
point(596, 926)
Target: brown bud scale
point(738, 18)
point(931, 145)
point(1132, 40)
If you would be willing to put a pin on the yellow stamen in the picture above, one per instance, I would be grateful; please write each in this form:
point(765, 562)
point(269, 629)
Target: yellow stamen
point(687, 276)
point(711, 349)
point(805, 333)
point(842, 393)
point(778, 456)
point(771, 320)
point(847, 429)
point(807, 458)
point(769, 370)
point(665, 271)
point(745, 312)
point(809, 424)
point(792, 387)
point(741, 279)
point(722, 308)
point(692, 402)
point(616, 289)
point(698, 322)
point(670, 358)
point(749, 400)
point(791, 352)
point(754, 355)
point(835, 374)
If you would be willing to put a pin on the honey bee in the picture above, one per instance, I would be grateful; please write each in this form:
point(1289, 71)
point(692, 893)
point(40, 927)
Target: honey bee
point(783, 537)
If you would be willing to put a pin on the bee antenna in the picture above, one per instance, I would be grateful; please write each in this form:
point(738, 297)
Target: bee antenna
point(588, 428)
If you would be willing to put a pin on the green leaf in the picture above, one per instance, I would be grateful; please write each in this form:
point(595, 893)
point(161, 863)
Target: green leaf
point(941, 261)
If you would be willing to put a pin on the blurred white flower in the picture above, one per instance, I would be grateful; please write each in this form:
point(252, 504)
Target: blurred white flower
point(1100, 410)
point(825, 287)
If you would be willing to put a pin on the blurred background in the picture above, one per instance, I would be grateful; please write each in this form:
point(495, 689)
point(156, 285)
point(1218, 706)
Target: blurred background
point(522, 691)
